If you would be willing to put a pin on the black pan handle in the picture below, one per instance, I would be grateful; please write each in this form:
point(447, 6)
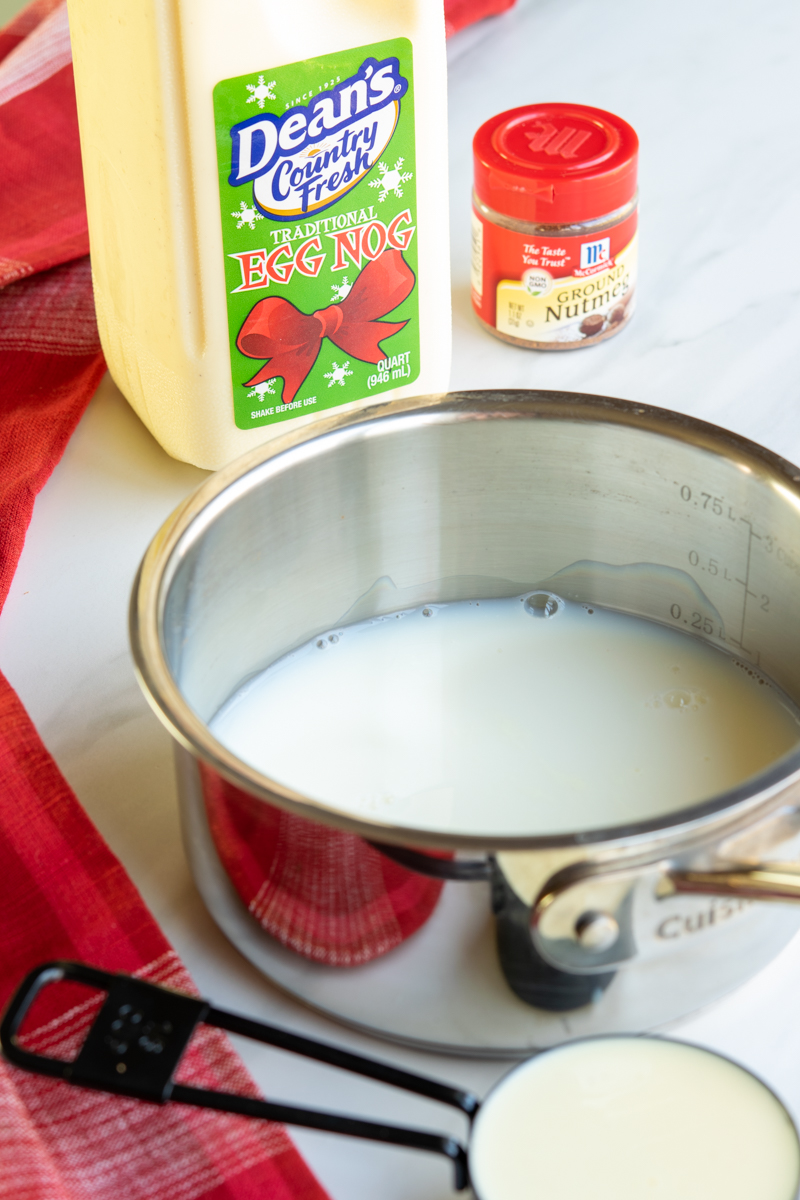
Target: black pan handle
point(137, 1039)
point(438, 868)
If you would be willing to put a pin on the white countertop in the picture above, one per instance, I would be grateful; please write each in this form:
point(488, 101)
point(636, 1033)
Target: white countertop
point(712, 90)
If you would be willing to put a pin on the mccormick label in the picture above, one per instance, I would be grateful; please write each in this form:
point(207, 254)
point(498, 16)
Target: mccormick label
point(318, 204)
point(556, 292)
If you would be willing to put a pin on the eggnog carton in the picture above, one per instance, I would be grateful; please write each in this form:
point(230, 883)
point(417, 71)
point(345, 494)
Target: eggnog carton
point(267, 199)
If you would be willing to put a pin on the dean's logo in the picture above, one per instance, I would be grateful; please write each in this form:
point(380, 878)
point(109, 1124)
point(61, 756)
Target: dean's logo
point(312, 155)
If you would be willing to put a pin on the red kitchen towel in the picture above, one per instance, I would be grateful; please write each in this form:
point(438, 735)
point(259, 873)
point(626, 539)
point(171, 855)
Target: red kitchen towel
point(63, 893)
point(42, 211)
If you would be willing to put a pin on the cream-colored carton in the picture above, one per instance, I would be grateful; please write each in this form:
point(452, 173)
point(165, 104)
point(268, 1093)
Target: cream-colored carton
point(266, 187)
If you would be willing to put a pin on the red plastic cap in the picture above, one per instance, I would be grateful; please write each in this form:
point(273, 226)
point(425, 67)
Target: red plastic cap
point(555, 164)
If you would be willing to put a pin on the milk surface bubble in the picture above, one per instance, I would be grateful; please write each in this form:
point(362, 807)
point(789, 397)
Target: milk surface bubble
point(525, 715)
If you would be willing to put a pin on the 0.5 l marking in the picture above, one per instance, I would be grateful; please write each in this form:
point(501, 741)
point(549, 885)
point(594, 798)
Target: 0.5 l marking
point(713, 566)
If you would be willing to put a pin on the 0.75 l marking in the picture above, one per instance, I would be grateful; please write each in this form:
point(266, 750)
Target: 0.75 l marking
point(705, 500)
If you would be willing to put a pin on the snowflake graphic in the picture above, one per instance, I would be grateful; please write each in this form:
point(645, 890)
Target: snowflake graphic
point(259, 92)
point(340, 291)
point(247, 215)
point(267, 388)
point(391, 180)
point(338, 374)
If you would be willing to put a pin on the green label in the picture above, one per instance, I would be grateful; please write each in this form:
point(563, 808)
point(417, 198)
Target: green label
point(318, 204)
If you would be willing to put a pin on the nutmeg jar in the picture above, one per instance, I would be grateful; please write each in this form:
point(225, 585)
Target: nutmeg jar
point(554, 225)
point(492, 942)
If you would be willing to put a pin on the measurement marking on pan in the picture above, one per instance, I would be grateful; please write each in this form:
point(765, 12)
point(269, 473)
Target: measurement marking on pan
point(746, 585)
point(717, 508)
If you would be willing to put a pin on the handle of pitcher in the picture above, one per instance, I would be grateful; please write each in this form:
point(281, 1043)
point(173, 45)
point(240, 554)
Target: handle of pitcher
point(463, 870)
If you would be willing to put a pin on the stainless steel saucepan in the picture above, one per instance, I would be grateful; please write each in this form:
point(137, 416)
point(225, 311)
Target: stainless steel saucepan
point(480, 943)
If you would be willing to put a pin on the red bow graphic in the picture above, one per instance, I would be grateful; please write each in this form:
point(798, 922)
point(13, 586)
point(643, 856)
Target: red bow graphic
point(291, 340)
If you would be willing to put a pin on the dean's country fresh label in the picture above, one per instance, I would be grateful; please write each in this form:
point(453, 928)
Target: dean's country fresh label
point(317, 173)
point(552, 290)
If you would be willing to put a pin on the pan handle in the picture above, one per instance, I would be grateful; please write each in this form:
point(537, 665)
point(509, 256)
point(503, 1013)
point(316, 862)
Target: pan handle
point(437, 868)
point(749, 881)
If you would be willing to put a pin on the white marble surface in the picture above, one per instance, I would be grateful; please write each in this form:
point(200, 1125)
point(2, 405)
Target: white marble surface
point(712, 89)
